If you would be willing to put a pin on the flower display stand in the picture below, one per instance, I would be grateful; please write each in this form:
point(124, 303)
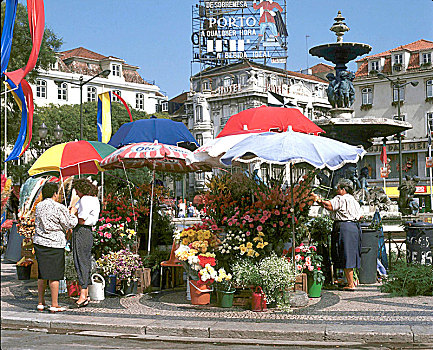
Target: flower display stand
point(301, 282)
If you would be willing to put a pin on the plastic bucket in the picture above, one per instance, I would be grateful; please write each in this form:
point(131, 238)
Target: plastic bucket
point(23, 272)
point(110, 285)
point(200, 295)
point(225, 299)
point(74, 289)
point(314, 289)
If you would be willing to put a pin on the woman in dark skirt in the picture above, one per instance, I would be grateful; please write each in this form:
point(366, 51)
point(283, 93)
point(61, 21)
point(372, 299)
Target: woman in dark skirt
point(346, 232)
point(88, 209)
point(52, 220)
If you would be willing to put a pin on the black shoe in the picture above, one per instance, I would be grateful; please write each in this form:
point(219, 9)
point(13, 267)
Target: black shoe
point(83, 303)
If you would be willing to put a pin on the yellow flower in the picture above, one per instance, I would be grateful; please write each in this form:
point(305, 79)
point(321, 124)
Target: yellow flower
point(260, 245)
point(250, 252)
point(255, 239)
point(249, 245)
point(265, 243)
point(243, 249)
point(206, 234)
point(261, 234)
point(257, 254)
point(185, 241)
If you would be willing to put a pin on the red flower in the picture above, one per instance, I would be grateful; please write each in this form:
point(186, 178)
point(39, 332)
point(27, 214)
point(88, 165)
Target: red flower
point(297, 250)
point(203, 260)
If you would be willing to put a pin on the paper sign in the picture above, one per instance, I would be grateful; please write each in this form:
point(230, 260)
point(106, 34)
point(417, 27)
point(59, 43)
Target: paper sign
point(429, 162)
point(384, 172)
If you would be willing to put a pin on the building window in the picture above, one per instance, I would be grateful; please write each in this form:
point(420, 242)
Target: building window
point(139, 101)
point(273, 81)
point(227, 81)
point(164, 106)
point(244, 79)
point(198, 114)
point(261, 80)
point(429, 118)
point(199, 138)
point(367, 96)
point(403, 119)
point(375, 65)
point(205, 85)
point(226, 115)
point(115, 70)
point(200, 176)
point(241, 106)
point(62, 91)
point(395, 94)
point(114, 98)
point(429, 88)
point(91, 93)
point(398, 59)
point(41, 88)
point(426, 58)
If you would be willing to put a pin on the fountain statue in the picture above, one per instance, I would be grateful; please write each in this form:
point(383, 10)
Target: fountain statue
point(341, 93)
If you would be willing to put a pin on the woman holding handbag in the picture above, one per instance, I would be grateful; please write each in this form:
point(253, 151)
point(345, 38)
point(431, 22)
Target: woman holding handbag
point(88, 209)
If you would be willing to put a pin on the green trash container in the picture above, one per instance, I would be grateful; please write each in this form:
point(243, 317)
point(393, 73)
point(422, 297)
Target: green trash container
point(369, 248)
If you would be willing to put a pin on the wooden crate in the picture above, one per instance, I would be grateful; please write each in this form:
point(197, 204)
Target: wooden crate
point(144, 279)
point(242, 297)
point(301, 282)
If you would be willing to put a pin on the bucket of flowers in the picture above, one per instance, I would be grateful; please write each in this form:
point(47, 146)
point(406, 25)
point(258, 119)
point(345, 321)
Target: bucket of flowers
point(307, 260)
point(112, 234)
point(196, 252)
point(225, 288)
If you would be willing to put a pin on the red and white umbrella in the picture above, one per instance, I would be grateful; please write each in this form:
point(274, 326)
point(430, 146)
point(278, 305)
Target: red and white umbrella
point(156, 156)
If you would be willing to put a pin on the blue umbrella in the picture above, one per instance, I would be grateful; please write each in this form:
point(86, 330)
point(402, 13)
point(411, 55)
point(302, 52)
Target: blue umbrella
point(294, 147)
point(164, 131)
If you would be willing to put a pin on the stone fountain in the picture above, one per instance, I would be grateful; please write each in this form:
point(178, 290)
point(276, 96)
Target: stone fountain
point(342, 125)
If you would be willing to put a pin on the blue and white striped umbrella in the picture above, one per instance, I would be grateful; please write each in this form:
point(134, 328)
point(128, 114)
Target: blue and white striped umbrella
point(294, 147)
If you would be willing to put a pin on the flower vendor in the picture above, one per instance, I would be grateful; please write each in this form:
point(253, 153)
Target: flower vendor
point(346, 232)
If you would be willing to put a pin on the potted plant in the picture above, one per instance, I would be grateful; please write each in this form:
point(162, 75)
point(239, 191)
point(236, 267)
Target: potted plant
point(153, 261)
point(126, 265)
point(309, 261)
point(196, 252)
point(107, 266)
point(225, 289)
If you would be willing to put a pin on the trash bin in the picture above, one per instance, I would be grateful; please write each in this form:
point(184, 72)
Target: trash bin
point(369, 248)
point(419, 242)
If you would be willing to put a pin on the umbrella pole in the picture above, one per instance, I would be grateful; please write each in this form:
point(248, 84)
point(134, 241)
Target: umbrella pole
point(151, 210)
point(63, 188)
point(102, 187)
point(132, 204)
point(292, 211)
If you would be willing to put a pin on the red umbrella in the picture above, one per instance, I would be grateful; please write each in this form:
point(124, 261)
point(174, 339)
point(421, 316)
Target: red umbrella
point(265, 118)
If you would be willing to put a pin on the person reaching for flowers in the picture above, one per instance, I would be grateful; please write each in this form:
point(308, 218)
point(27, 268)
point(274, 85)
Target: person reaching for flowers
point(346, 232)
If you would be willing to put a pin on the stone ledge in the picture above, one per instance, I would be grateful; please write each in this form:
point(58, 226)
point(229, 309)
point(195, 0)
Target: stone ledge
point(373, 333)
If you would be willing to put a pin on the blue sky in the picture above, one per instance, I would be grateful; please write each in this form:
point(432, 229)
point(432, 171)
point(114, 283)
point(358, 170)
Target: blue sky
point(155, 34)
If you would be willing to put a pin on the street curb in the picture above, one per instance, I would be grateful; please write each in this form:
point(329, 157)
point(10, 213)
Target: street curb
point(219, 329)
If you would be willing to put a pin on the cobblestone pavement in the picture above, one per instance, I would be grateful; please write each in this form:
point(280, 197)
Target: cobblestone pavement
point(366, 306)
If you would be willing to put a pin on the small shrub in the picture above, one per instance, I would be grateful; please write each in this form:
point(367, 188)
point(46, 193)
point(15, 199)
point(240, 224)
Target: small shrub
point(409, 280)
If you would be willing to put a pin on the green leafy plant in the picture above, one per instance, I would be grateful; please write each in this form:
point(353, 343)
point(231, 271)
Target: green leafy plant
point(246, 273)
point(366, 107)
point(409, 279)
point(154, 259)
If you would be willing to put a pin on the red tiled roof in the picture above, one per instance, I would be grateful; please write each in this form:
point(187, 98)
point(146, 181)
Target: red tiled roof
point(418, 45)
point(321, 68)
point(81, 52)
point(414, 48)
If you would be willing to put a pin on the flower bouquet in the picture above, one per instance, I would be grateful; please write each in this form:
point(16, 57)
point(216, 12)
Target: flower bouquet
point(195, 251)
point(307, 260)
point(112, 234)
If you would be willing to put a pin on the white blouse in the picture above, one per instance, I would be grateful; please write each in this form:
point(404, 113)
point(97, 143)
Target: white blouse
point(345, 208)
point(88, 208)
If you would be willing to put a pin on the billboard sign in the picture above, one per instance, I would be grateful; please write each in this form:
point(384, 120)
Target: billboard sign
point(233, 30)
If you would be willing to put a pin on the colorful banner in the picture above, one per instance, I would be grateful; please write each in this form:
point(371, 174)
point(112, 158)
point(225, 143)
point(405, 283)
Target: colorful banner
point(24, 98)
point(35, 9)
point(104, 117)
point(124, 103)
point(8, 32)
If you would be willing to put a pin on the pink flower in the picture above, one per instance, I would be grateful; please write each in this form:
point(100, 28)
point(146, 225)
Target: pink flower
point(299, 267)
point(277, 212)
point(260, 228)
point(248, 233)
point(310, 268)
point(281, 223)
point(128, 219)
